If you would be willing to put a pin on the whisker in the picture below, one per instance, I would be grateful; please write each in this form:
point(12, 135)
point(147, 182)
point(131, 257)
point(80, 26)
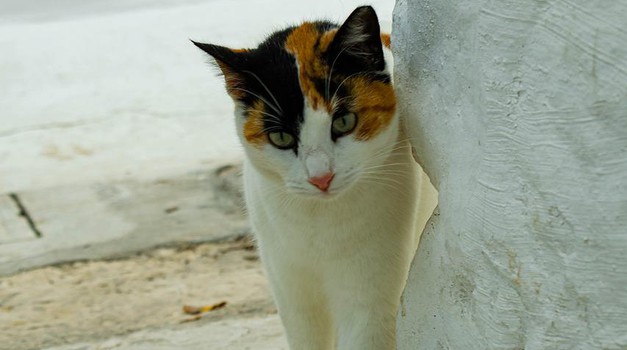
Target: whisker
point(261, 98)
point(384, 155)
point(272, 116)
point(348, 77)
point(265, 113)
point(382, 178)
point(386, 172)
point(265, 87)
point(382, 166)
point(272, 128)
point(336, 103)
point(388, 150)
point(376, 182)
point(342, 82)
point(393, 147)
point(328, 83)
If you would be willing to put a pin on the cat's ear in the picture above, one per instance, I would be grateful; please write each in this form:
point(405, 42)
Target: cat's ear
point(232, 64)
point(357, 44)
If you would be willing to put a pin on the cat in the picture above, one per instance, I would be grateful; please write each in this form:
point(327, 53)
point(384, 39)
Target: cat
point(330, 184)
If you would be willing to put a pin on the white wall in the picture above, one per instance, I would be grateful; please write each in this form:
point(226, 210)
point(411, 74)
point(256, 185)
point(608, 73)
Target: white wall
point(518, 110)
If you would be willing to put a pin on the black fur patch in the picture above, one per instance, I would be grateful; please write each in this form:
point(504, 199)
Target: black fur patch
point(276, 68)
point(268, 72)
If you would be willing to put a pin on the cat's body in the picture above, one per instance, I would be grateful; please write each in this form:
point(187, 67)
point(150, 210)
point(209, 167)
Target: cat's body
point(337, 268)
point(330, 184)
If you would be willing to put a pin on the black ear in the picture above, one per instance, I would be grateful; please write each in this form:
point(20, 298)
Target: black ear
point(357, 44)
point(233, 63)
point(236, 59)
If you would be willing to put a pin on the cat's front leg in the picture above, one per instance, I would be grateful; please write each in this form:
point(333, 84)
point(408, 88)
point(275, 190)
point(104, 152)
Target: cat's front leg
point(365, 292)
point(366, 327)
point(303, 309)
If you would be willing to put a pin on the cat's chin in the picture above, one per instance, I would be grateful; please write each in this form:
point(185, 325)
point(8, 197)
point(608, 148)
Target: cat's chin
point(326, 195)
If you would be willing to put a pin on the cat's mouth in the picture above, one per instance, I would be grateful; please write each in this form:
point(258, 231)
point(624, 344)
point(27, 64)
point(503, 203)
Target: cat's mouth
point(313, 192)
point(336, 188)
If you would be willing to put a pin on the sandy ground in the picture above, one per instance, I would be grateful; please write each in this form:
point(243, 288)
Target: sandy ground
point(86, 301)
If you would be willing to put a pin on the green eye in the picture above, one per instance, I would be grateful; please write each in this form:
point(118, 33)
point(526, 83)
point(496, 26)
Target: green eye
point(281, 140)
point(344, 124)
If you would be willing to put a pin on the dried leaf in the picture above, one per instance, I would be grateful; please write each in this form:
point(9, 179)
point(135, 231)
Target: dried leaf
point(195, 310)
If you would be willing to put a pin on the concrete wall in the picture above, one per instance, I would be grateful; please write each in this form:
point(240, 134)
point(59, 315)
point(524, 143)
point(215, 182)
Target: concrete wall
point(518, 112)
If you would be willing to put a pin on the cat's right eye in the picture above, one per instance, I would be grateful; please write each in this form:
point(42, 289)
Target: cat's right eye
point(344, 125)
point(281, 140)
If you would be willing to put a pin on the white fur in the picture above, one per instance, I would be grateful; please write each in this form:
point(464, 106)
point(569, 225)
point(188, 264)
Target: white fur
point(337, 261)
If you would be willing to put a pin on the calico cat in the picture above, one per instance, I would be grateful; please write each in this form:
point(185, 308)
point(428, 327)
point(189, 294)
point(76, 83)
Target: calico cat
point(331, 187)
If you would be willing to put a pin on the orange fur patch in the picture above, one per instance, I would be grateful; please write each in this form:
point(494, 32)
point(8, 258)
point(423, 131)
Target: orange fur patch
point(232, 81)
point(373, 101)
point(375, 105)
point(253, 126)
point(302, 44)
point(386, 40)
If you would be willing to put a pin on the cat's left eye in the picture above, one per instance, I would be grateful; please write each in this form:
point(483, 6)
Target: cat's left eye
point(344, 125)
point(281, 140)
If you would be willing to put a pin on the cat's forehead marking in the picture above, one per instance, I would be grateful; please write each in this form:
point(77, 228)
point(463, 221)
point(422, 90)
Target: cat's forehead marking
point(254, 125)
point(374, 101)
point(307, 43)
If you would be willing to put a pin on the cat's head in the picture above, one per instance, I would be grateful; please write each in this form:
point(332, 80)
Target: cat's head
point(315, 106)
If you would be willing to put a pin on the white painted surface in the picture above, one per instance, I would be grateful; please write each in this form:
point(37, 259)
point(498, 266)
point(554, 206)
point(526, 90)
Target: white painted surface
point(518, 112)
point(94, 92)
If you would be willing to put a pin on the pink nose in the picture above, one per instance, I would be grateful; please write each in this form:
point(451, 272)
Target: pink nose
point(322, 182)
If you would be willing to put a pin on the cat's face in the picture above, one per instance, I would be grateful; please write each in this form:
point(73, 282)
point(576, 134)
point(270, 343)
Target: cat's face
point(315, 107)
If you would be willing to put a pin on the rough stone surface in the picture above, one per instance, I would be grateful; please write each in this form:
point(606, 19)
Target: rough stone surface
point(518, 112)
